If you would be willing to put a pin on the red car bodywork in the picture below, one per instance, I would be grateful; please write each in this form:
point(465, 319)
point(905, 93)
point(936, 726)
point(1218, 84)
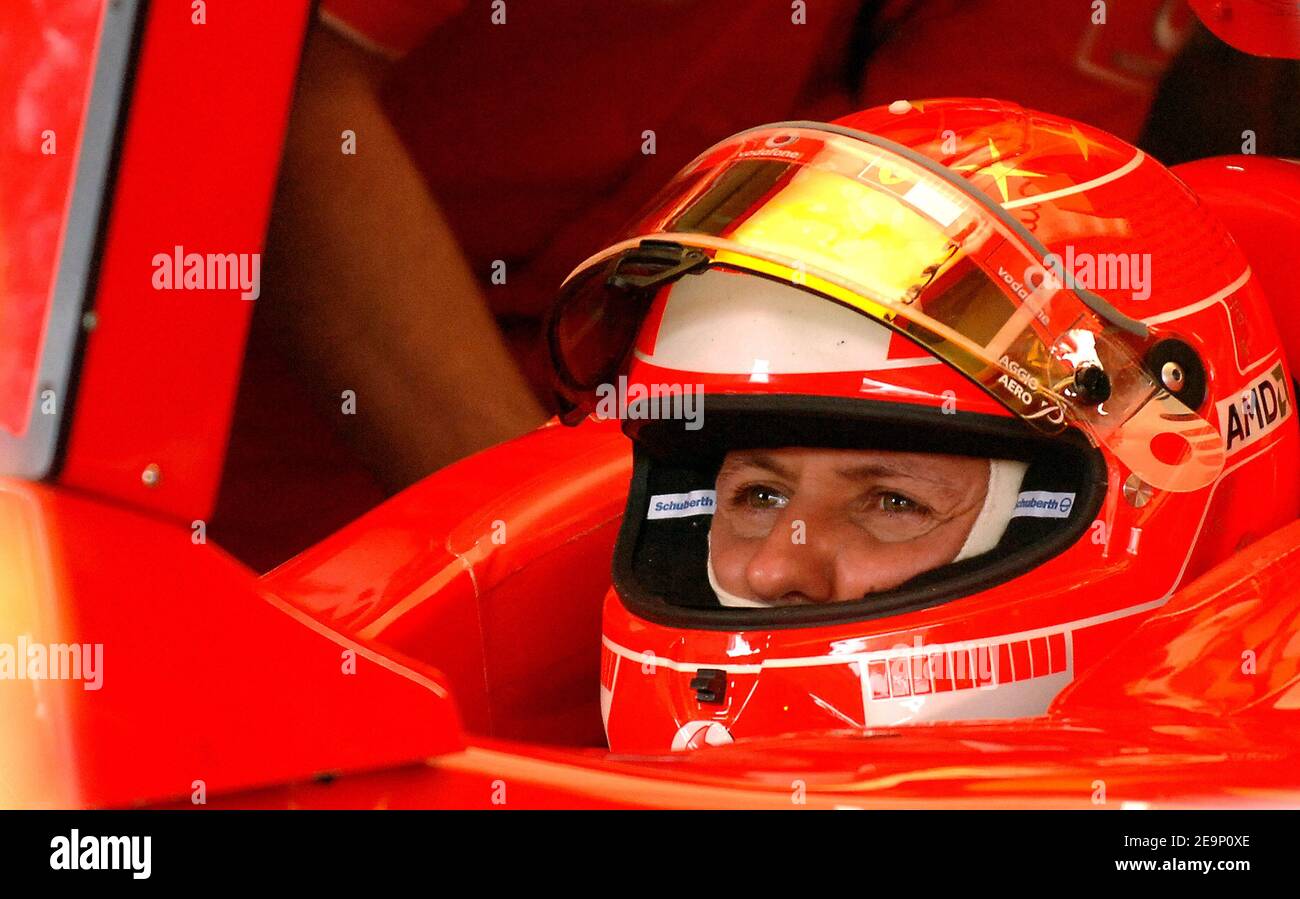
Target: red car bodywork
point(444, 649)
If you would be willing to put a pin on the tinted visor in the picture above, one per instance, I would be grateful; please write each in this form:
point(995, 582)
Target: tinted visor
point(878, 230)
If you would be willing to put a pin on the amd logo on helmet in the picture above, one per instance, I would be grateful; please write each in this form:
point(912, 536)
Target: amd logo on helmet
point(1256, 411)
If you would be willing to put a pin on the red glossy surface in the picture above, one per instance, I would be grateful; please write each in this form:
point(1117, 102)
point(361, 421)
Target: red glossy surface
point(198, 166)
point(212, 674)
point(1168, 720)
point(493, 571)
point(510, 622)
point(1258, 27)
point(203, 675)
point(1238, 750)
point(1258, 199)
point(46, 61)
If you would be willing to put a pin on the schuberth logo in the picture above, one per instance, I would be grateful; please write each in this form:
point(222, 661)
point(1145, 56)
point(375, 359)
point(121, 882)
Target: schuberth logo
point(1043, 504)
point(681, 505)
point(1256, 411)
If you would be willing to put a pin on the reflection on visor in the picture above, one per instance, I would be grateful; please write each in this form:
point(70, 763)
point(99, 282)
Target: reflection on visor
point(876, 231)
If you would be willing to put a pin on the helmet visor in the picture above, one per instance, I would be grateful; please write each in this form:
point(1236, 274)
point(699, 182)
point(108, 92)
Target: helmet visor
point(879, 231)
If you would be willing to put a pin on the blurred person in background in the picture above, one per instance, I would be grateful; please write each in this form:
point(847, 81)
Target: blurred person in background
point(495, 145)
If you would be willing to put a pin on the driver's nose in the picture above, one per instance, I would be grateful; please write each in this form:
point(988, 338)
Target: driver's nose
point(794, 563)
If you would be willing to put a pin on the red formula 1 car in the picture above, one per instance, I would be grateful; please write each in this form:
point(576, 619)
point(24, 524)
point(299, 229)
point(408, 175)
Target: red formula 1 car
point(446, 649)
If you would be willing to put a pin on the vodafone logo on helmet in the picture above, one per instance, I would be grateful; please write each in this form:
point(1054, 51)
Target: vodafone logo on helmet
point(698, 734)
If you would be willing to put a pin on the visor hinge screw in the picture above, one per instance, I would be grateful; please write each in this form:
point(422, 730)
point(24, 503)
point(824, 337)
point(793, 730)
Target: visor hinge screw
point(710, 685)
point(1172, 376)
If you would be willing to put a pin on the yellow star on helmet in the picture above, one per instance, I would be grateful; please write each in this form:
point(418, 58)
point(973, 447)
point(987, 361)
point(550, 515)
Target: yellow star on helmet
point(1080, 141)
point(998, 170)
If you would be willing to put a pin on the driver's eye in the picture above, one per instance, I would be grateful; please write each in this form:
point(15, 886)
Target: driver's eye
point(760, 497)
point(898, 504)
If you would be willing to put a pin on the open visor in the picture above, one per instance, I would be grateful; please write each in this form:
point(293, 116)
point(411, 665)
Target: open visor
point(873, 226)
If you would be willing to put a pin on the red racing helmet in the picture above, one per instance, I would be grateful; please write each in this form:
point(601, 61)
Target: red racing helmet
point(957, 277)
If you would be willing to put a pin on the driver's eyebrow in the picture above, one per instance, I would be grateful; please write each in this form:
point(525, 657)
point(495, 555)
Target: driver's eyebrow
point(870, 470)
point(758, 460)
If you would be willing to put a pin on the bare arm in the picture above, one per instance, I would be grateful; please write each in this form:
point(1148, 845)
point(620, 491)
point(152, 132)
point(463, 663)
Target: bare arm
point(371, 291)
